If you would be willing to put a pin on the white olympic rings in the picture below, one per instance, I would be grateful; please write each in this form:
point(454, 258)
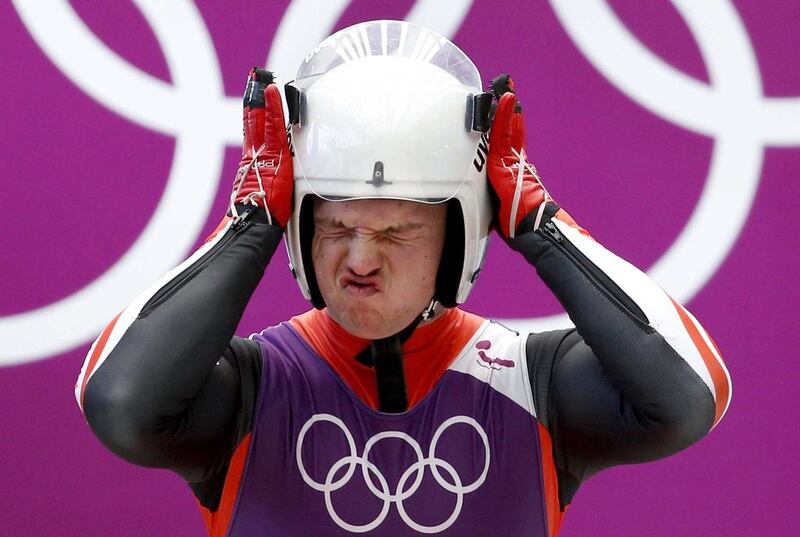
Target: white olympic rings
point(383, 492)
point(732, 109)
point(170, 109)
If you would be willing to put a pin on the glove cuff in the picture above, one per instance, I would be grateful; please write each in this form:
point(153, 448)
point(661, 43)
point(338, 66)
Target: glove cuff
point(533, 220)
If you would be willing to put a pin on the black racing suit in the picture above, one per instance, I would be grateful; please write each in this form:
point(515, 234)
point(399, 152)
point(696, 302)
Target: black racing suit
point(178, 389)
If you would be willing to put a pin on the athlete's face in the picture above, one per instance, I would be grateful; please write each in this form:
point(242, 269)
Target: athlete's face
point(376, 261)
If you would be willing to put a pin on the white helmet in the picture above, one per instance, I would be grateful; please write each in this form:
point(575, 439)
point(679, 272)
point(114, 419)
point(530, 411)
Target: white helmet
point(389, 109)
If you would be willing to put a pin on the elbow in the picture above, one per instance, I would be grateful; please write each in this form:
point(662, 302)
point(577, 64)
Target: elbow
point(693, 420)
point(675, 425)
point(699, 350)
point(694, 391)
point(701, 400)
point(116, 418)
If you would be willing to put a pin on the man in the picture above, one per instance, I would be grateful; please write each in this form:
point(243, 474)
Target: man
point(387, 409)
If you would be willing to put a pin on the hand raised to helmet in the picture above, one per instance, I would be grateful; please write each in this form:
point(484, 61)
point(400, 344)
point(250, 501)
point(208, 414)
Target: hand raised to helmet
point(265, 177)
point(520, 194)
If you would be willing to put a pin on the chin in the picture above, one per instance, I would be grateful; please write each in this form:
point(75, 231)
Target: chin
point(370, 330)
point(368, 325)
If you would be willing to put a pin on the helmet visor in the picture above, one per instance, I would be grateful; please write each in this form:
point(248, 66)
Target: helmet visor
point(385, 113)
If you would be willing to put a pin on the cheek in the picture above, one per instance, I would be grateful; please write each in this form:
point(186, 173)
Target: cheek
point(323, 255)
point(422, 264)
point(424, 267)
point(433, 255)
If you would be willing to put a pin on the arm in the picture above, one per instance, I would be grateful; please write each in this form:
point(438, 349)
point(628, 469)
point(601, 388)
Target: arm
point(639, 378)
point(166, 384)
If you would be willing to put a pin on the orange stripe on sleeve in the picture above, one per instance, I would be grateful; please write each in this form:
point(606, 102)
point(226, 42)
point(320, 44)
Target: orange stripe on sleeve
point(219, 228)
point(564, 216)
point(550, 482)
point(98, 350)
point(217, 522)
point(715, 368)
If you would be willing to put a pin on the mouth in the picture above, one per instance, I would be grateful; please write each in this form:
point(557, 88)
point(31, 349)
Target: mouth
point(360, 287)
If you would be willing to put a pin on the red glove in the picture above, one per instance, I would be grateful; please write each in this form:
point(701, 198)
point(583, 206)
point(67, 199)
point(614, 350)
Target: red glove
point(265, 177)
point(515, 181)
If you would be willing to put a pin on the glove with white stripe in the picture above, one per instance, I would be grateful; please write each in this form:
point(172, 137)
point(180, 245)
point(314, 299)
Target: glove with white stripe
point(520, 195)
point(265, 177)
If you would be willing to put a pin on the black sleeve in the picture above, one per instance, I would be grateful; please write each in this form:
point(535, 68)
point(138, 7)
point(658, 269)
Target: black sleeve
point(177, 390)
point(613, 390)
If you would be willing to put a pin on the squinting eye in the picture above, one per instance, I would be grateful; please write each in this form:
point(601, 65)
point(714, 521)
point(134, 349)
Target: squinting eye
point(332, 233)
point(394, 239)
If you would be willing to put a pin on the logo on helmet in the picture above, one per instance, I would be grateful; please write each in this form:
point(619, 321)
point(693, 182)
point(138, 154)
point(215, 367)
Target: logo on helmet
point(482, 152)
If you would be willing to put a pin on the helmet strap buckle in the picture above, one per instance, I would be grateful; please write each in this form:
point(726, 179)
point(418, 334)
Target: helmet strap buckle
point(428, 312)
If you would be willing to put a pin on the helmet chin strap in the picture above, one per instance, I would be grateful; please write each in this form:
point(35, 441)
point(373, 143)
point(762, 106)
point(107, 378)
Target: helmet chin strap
point(385, 355)
point(427, 313)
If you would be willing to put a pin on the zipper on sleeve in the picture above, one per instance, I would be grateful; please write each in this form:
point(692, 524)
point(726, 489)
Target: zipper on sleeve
point(240, 223)
point(596, 276)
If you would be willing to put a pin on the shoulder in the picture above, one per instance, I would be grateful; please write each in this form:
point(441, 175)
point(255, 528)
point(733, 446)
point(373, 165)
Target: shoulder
point(496, 356)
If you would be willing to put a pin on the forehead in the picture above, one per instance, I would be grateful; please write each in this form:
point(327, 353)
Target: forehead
point(379, 213)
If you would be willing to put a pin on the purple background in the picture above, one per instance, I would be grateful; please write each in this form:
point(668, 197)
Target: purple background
point(79, 183)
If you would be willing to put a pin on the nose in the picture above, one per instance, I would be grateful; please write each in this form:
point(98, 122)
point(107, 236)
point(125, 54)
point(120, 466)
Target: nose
point(364, 257)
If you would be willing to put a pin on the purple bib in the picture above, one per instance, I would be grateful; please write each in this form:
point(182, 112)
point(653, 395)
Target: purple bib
point(464, 461)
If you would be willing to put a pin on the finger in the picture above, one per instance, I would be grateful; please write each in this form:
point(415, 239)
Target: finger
point(253, 111)
point(277, 150)
point(500, 136)
point(274, 124)
point(257, 80)
point(501, 85)
point(518, 128)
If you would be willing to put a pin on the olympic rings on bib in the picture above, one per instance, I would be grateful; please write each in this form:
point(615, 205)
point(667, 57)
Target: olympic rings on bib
point(406, 486)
